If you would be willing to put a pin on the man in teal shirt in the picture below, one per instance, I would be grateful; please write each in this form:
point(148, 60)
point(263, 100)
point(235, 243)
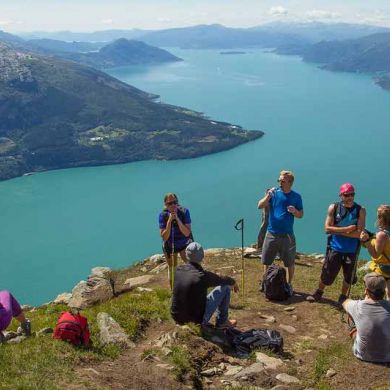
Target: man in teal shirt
point(284, 206)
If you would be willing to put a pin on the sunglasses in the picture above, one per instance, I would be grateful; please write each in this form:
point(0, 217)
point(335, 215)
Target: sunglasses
point(171, 203)
point(350, 195)
point(282, 181)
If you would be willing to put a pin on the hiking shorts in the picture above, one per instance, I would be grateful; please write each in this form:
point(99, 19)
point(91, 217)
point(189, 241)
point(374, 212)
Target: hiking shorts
point(284, 244)
point(167, 247)
point(332, 265)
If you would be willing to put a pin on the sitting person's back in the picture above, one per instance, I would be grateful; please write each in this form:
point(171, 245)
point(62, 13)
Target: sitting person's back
point(190, 300)
point(372, 319)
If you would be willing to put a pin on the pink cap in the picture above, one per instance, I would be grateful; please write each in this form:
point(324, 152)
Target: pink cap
point(346, 188)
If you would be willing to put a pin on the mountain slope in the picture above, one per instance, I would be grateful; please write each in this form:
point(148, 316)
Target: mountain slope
point(57, 114)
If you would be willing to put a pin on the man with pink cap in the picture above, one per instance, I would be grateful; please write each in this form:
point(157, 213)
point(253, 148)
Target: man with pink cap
point(343, 224)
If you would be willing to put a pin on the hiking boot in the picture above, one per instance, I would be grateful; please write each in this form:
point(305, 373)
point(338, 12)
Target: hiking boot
point(26, 328)
point(290, 290)
point(227, 324)
point(342, 299)
point(316, 296)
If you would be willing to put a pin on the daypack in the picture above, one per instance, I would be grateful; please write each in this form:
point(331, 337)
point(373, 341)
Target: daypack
point(245, 342)
point(72, 328)
point(274, 284)
point(242, 343)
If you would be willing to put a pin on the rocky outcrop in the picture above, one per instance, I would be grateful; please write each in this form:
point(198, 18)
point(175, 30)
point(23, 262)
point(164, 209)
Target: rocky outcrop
point(110, 332)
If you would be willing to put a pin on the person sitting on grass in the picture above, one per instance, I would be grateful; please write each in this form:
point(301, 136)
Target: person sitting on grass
point(9, 308)
point(190, 302)
point(370, 325)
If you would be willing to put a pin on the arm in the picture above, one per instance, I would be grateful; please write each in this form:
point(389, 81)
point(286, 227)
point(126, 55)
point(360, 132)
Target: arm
point(264, 201)
point(295, 212)
point(165, 232)
point(331, 229)
point(213, 280)
point(347, 303)
point(185, 228)
point(360, 225)
point(380, 242)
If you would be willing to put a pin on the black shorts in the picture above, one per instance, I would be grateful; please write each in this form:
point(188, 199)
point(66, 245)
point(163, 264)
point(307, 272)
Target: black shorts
point(333, 263)
point(167, 248)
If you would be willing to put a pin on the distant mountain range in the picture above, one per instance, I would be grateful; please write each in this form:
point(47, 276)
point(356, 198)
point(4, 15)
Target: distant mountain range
point(57, 114)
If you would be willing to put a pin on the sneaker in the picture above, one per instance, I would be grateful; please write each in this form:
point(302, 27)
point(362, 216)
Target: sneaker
point(26, 328)
point(227, 324)
point(342, 299)
point(290, 290)
point(316, 296)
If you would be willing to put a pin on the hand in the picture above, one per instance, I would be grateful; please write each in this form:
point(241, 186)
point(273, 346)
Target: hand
point(271, 192)
point(235, 288)
point(364, 236)
point(350, 228)
point(291, 209)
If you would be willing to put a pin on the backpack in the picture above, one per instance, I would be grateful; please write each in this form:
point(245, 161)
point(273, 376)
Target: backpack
point(274, 284)
point(72, 328)
point(240, 343)
point(245, 342)
point(340, 212)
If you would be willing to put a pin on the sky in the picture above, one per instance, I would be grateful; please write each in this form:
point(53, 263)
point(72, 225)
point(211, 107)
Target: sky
point(93, 15)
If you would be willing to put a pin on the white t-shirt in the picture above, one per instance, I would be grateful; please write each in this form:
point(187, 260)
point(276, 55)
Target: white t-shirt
point(372, 319)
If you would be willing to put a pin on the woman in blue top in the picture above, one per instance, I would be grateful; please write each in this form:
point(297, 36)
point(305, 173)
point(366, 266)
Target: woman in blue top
point(175, 230)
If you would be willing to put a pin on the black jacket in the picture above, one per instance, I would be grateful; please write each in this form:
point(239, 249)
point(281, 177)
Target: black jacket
point(190, 292)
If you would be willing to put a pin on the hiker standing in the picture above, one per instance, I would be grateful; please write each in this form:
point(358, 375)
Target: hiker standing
point(175, 230)
point(379, 247)
point(344, 223)
point(370, 327)
point(190, 302)
point(9, 308)
point(284, 205)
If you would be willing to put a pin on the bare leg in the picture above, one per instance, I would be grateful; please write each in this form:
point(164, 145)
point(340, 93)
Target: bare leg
point(291, 274)
point(345, 288)
point(172, 264)
point(321, 286)
point(21, 318)
point(388, 289)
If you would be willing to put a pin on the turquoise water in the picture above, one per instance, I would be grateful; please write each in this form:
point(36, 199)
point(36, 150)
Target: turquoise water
point(327, 127)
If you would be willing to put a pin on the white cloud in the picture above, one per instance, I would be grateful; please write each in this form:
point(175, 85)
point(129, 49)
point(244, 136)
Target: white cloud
point(321, 14)
point(107, 21)
point(164, 20)
point(6, 22)
point(278, 11)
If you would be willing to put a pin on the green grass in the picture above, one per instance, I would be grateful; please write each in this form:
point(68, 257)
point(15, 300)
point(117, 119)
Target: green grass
point(45, 363)
point(182, 361)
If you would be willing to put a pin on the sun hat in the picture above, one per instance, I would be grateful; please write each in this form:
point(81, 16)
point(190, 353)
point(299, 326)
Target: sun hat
point(375, 283)
point(346, 188)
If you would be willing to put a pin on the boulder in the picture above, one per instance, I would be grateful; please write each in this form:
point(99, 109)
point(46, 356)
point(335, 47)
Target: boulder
point(111, 332)
point(95, 290)
point(288, 328)
point(253, 369)
point(159, 268)
point(288, 379)
point(63, 299)
point(232, 370)
point(270, 363)
point(128, 284)
point(101, 272)
point(157, 259)
point(330, 373)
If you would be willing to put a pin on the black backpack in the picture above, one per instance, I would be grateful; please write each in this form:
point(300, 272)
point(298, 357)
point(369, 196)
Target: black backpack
point(274, 284)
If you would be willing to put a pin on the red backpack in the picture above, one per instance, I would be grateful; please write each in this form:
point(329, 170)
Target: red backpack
point(72, 328)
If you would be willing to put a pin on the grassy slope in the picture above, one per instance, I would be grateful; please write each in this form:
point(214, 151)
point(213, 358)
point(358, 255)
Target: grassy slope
point(43, 363)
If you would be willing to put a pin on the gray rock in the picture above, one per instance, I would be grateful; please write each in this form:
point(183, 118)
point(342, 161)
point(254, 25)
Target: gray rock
point(280, 387)
point(330, 373)
point(143, 269)
point(44, 331)
point(100, 272)
point(288, 379)
point(323, 337)
point(269, 319)
point(63, 299)
point(131, 283)
point(111, 332)
point(165, 366)
point(144, 289)
point(289, 308)
point(288, 328)
point(165, 340)
point(270, 363)
point(232, 370)
point(211, 372)
point(160, 268)
point(95, 290)
point(253, 369)
point(26, 307)
point(157, 259)
point(16, 340)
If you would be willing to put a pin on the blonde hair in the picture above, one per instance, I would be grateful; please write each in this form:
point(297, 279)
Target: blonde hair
point(383, 216)
point(289, 175)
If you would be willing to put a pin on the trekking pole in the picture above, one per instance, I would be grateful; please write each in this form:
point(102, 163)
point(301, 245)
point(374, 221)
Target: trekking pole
point(172, 266)
point(240, 226)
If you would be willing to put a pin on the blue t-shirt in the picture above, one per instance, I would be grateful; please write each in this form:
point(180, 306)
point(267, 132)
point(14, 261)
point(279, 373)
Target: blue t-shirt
point(280, 220)
point(344, 244)
point(179, 238)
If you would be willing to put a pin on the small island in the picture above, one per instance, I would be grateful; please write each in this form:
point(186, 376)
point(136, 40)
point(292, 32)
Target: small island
point(232, 52)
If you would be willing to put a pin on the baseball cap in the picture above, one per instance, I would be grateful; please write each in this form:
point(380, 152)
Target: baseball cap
point(375, 283)
point(346, 188)
point(194, 252)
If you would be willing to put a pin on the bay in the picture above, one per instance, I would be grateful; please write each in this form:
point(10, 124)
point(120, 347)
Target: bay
point(328, 128)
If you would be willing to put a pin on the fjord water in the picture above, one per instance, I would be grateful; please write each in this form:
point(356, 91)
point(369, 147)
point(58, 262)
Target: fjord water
point(328, 128)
